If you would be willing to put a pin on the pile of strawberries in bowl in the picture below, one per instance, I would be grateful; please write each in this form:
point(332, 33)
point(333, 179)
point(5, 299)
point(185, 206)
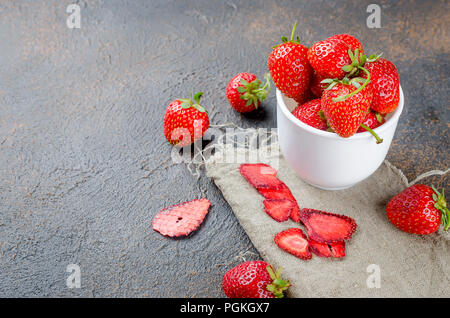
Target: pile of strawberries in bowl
point(337, 87)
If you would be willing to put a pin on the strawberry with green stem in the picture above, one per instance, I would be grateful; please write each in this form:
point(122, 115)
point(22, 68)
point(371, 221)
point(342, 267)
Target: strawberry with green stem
point(185, 121)
point(254, 279)
point(245, 92)
point(356, 65)
point(346, 113)
point(289, 67)
point(419, 209)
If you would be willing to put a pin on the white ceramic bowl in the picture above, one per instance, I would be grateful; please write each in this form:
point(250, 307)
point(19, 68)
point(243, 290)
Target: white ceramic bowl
point(324, 159)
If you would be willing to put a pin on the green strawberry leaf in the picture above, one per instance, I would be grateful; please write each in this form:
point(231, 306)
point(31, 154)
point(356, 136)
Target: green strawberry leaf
point(350, 54)
point(347, 68)
point(363, 59)
point(331, 86)
point(199, 108)
point(244, 82)
point(356, 54)
point(327, 81)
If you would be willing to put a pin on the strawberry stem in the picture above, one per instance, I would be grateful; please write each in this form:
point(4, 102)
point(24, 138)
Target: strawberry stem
point(293, 31)
point(441, 205)
point(379, 117)
point(254, 92)
point(187, 102)
point(285, 39)
point(379, 140)
point(278, 285)
point(360, 88)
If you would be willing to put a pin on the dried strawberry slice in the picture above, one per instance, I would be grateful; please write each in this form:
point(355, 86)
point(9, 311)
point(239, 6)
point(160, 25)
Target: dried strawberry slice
point(295, 214)
point(326, 227)
point(279, 209)
point(295, 242)
point(282, 193)
point(181, 219)
point(336, 249)
point(320, 249)
point(264, 178)
point(260, 176)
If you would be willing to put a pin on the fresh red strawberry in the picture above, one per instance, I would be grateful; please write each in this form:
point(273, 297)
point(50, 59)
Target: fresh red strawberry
point(254, 279)
point(245, 92)
point(419, 209)
point(317, 87)
point(289, 67)
point(350, 41)
point(181, 219)
point(326, 227)
point(345, 107)
point(372, 120)
point(384, 81)
point(295, 242)
point(336, 249)
point(306, 97)
point(309, 114)
point(328, 57)
point(279, 209)
point(260, 176)
point(185, 121)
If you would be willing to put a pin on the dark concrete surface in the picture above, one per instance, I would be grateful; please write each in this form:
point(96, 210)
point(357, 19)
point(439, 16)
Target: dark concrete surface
point(84, 164)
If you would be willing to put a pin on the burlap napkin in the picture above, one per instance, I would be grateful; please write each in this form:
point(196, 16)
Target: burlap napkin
point(381, 260)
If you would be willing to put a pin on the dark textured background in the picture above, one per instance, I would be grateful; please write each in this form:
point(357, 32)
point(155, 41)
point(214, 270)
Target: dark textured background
point(83, 161)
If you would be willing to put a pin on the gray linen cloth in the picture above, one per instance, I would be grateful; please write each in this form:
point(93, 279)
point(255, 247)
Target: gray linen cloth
point(408, 265)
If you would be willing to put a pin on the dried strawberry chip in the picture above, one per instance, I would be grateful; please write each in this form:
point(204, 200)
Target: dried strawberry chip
point(336, 249)
point(282, 193)
point(320, 249)
point(326, 227)
point(295, 242)
point(264, 178)
point(181, 219)
point(279, 209)
point(260, 176)
point(295, 214)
